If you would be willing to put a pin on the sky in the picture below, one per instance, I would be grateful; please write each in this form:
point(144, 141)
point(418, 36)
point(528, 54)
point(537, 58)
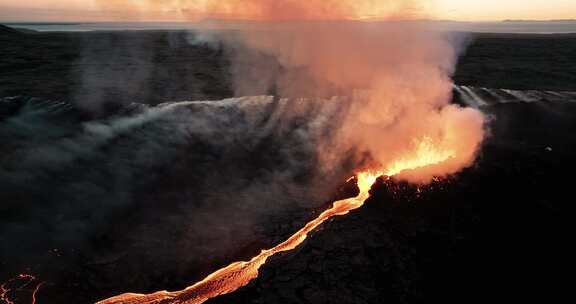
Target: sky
point(461, 10)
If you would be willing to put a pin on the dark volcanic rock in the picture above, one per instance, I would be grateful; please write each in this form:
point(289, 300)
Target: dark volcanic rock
point(8, 31)
point(495, 231)
point(158, 66)
point(162, 195)
point(97, 70)
point(519, 61)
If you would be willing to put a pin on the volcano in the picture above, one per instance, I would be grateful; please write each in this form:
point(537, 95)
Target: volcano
point(144, 196)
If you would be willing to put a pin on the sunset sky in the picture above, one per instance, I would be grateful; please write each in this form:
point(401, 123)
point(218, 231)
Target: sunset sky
point(465, 10)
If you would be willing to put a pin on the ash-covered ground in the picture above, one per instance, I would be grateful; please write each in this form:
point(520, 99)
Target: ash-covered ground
point(137, 195)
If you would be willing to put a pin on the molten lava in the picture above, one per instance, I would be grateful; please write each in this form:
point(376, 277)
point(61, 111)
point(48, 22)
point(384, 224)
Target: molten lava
point(426, 154)
point(239, 274)
point(19, 283)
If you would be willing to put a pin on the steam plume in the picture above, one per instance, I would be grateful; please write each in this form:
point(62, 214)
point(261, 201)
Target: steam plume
point(393, 74)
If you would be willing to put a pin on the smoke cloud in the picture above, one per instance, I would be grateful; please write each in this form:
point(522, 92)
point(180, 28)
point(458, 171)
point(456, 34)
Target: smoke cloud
point(392, 75)
point(393, 71)
point(397, 82)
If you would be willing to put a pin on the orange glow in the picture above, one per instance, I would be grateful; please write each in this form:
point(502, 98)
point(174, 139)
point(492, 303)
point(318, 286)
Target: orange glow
point(265, 9)
point(470, 10)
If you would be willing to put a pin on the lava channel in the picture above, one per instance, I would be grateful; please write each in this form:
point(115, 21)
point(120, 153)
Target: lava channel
point(239, 274)
point(25, 281)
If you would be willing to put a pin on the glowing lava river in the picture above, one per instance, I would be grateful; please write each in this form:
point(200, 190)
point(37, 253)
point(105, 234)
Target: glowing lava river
point(239, 274)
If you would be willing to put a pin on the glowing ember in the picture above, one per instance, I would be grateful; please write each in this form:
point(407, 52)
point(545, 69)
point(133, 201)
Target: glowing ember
point(17, 284)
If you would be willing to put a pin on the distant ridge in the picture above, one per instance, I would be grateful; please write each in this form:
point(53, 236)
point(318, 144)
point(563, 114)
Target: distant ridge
point(10, 31)
point(5, 30)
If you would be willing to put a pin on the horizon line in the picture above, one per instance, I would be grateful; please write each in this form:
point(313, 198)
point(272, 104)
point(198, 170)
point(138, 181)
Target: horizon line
point(375, 20)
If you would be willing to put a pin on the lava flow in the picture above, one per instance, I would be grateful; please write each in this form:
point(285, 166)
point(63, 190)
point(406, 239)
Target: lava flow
point(236, 275)
point(239, 274)
point(25, 279)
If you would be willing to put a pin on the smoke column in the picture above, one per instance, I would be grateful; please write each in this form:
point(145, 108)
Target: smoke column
point(391, 75)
